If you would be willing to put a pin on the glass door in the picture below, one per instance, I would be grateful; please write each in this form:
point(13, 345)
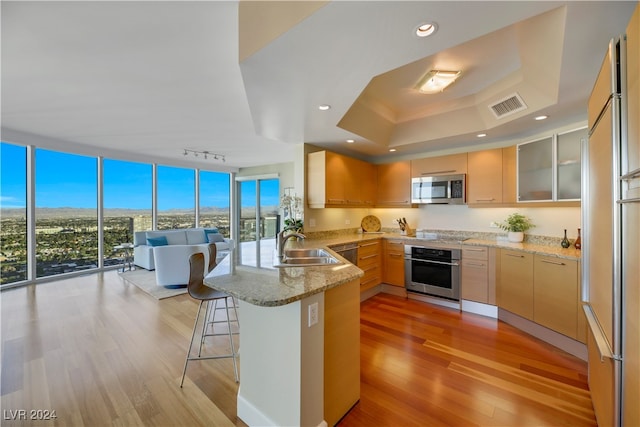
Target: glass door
point(258, 201)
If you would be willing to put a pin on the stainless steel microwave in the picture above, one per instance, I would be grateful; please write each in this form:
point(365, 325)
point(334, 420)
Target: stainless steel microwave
point(443, 189)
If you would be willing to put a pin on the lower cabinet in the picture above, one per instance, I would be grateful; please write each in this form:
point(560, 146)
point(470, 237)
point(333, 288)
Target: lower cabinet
point(393, 265)
point(515, 287)
point(369, 257)
point(555, 294)
point(541, 288)
point(477, 275)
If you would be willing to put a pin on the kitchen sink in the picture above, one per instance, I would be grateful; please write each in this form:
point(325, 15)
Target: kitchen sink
point(305, 253)
point(305, 258)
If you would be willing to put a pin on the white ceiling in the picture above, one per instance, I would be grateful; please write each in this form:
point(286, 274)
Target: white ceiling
point(145, 80)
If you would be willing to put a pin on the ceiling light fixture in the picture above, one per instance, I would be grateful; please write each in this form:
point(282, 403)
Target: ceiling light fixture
point(324, 107)
point(436, 81)
point(426, 29)
point(481, 135)
point(541, 117)
point(392, 150)
point(205, 154)
point(350, 141)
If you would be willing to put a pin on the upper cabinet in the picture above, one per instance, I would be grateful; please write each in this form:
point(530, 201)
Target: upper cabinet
point(484, 178)
point(549, 168)
point(334, 180)
point(394, 184)
point(441, 165)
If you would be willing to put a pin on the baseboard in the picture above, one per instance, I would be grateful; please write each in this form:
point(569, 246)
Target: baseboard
point(480, 308)
point(365, 295)
point(563, 342)
point(433, 300)
point(250, 415)
point(398, 291)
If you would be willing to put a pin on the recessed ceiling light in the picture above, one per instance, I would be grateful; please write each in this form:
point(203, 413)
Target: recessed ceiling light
point(350, 141)
point(392, 150)
point(541, 117)
point(481, 135)
point(324, 107)
point(426, 29)
point(436, 81)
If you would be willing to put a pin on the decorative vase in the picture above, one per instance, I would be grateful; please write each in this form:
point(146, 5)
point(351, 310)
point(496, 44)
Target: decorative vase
point(578, 243)
point(565, 242)
point(515, 236)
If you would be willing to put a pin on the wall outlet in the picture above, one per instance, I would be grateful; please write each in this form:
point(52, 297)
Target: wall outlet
point(312, 222)
point(313, 314)
point(347, 221)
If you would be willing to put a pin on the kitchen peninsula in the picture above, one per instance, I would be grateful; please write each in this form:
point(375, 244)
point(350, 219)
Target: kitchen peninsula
point(299, 341)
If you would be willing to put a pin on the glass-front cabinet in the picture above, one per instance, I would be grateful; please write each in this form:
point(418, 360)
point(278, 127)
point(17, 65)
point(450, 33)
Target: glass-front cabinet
point(549, 168)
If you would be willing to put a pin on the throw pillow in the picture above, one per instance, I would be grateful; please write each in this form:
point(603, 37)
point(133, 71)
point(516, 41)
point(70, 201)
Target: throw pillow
point(157, 241)
point(214, 237)
point(207, 231)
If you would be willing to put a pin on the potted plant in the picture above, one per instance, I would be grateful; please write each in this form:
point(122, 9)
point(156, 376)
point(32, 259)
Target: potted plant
point(292, 208)
point(515, 225)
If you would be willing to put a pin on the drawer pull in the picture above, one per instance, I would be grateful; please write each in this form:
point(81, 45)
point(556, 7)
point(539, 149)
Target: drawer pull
point(553, 262)
point(397, 255)
point(515, 256)
point(475, 250)
point(363, 245)
point(369, 256)
point(476, 265)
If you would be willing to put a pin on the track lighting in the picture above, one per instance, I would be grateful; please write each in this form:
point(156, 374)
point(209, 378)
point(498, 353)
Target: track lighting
point(205, 154)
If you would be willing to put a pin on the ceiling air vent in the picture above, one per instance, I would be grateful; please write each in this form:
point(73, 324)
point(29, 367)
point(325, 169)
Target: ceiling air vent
point(509, 105)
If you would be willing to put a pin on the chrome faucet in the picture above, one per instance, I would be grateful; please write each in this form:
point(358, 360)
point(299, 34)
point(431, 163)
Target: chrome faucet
point(282, 239)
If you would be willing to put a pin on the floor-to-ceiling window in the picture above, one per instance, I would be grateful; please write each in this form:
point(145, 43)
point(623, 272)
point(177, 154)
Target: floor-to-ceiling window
point(214, 201)
point(176, 198)
point(66, 213)
point(258, 209)
point(65, 218)
point(13, 206)
point(127, 204)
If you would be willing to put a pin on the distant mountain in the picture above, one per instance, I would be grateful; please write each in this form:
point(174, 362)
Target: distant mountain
point(68, 212)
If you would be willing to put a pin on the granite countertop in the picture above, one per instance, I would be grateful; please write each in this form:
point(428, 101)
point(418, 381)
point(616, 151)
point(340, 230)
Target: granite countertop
point(548, 250)
point(270, 287)
point(542, 245)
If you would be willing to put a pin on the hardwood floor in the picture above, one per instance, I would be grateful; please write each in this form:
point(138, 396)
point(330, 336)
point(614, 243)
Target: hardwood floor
point(101, 352)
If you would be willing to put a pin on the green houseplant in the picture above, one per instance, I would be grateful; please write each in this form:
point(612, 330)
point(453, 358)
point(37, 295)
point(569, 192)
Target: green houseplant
point(515, 225)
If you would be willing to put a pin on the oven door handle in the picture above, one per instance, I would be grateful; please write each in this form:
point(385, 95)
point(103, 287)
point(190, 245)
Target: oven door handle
point(455, 264)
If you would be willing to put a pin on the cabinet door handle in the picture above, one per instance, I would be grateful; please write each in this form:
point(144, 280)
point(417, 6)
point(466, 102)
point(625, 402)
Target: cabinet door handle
point(475, 265)
point(335, 200)
point(437, 172)
point(485, 200)
point(474, 250)
point(515, 256)
point(553, 262)
point(396, 255)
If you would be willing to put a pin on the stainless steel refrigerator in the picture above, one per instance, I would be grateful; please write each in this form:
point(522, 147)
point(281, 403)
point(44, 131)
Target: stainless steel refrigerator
point(611, 219)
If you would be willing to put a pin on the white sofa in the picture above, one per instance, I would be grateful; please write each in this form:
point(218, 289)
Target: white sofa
point(143, 252)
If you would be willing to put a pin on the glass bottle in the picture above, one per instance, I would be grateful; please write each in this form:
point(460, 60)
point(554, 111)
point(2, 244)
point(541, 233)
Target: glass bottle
point(578, 243)
point(565, 242)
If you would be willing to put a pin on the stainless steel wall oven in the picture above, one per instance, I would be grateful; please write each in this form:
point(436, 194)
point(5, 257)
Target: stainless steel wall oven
point(432, 271)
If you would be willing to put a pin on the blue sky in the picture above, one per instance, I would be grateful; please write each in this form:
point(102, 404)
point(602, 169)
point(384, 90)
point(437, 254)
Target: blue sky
point(69, 180)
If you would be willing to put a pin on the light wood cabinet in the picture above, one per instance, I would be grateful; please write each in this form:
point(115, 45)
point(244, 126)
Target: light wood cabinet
point(441, 165)
point(484, 177)
point(341, 350)
point(394, 184)
point(555, 294)
point(393, 265)
point(369, 260)
point(515, 286)
point(478, 280)
point(334, 180)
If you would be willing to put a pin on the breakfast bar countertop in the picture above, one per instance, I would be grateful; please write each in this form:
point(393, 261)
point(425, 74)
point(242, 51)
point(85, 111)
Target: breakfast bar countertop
point(269, 287)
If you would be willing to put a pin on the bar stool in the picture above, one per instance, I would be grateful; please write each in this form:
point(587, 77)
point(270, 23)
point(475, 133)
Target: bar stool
point(198, 290)
point(211, 311)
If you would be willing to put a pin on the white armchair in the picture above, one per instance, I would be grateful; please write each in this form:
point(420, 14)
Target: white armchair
point(172, 263)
